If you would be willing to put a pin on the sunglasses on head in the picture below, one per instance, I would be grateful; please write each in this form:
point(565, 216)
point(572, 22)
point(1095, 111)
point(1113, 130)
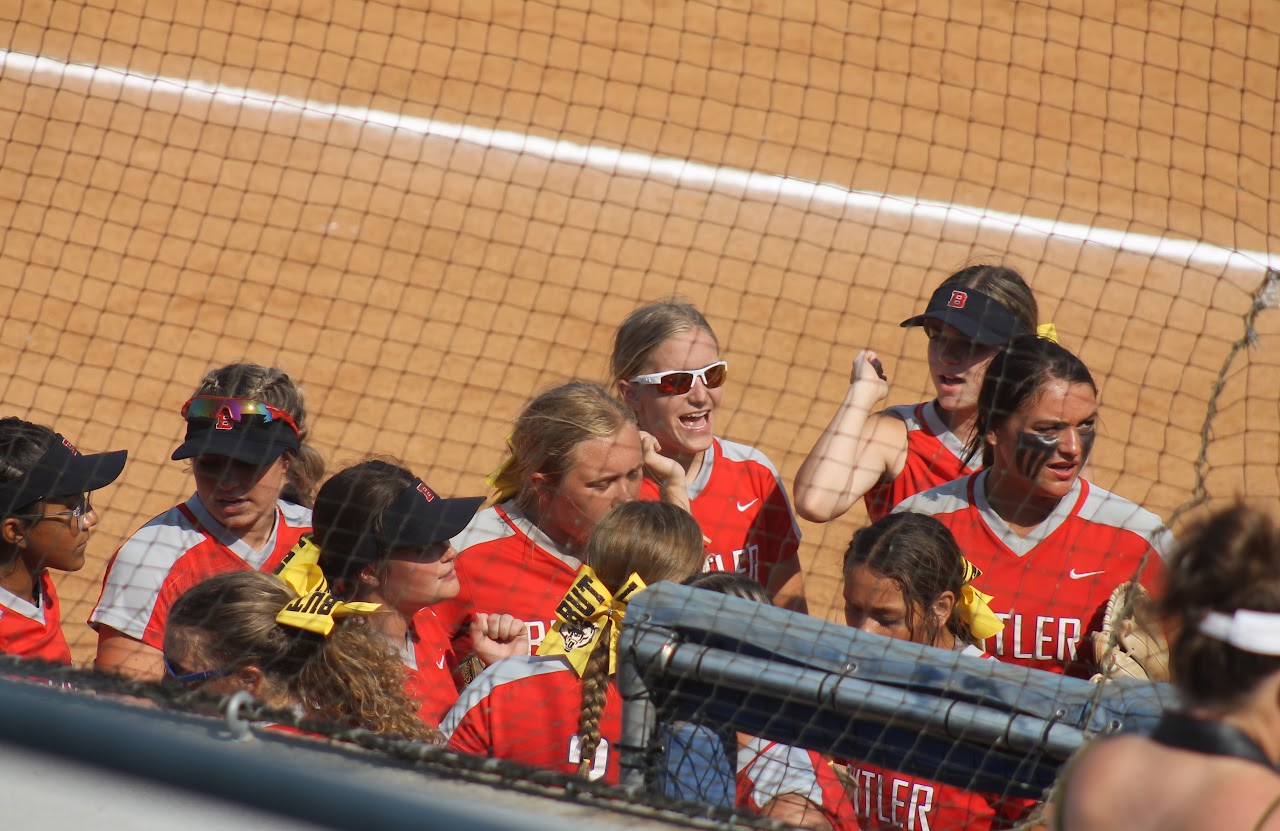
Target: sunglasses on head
point(226, 411)
point(680, 381)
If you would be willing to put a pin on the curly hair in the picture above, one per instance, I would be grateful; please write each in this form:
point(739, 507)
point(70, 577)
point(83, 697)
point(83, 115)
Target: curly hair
point(655, 540)
point(272, 386)
point(353, 676)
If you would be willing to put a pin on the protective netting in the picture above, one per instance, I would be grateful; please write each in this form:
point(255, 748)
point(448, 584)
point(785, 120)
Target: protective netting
point(425, 213)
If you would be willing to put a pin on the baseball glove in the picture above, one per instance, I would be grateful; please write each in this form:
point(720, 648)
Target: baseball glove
point(1130, 643)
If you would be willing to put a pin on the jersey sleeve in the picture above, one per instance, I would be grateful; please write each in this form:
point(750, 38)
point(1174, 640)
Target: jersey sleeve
point(135, 578)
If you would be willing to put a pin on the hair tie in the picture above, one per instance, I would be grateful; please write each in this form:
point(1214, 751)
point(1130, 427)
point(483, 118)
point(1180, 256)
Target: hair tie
point(503, 478)
point(580, 618)
point(974, 605)
point(1047, 331)
point(314, 609)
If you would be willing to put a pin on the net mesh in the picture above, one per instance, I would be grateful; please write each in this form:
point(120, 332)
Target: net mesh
point(425, 214)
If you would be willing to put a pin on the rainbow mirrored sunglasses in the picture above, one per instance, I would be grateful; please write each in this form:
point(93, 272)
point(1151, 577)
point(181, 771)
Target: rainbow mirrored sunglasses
point(226, 412)
point(680, 381)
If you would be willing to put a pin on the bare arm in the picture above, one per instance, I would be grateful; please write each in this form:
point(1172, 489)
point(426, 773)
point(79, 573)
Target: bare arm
point(786, 585)
point(855, 452)
point(121, 654)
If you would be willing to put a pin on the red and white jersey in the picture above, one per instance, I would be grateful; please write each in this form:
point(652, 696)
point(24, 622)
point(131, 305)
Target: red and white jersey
point(768, 770)
point(526, 710)
point(173, 552)
point(33, 631)
point(886, 800)
point(935, 456)
point(743, 509)
point(506, 564)
point(1051, 586)
point(428, 659)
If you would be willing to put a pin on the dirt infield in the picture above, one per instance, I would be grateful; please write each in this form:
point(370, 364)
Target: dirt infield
point(423, 216)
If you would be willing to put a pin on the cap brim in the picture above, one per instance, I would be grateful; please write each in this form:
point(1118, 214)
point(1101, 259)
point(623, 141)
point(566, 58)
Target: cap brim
point(964, 324)
point(88, 473)
point(254, 446)
point(435, 521)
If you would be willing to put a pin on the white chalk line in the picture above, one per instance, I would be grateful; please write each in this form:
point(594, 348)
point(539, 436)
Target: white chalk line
point(678, 171)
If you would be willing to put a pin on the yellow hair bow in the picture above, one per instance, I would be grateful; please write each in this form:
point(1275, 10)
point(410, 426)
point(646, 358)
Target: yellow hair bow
point(1047, 331)
point(503, 479)
point(581, 616)
point(315, 609)
point(974, 606)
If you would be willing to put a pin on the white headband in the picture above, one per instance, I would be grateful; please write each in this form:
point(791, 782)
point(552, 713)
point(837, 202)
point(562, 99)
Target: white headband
point(1257, 632)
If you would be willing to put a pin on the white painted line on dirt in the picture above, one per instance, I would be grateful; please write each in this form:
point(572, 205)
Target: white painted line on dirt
point(679, 171)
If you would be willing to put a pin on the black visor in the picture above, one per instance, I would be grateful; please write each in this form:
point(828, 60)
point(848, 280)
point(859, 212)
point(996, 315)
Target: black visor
point(61, 471)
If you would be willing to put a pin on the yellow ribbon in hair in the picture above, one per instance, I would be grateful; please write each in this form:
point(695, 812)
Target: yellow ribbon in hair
point(503, 478)
point(581, 616)
point(315, 609)
point(975, 608)
point(1047, 331)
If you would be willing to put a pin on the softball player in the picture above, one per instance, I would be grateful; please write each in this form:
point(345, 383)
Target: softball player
point(667, 368)
point(1051, 546)
point(1212, 763)
point(293, 645)
point(383, 537)
point(887, 456)
point(575, 453)
point(905, 578)
point(254, 473)
point(46, 520)
point(560, 709)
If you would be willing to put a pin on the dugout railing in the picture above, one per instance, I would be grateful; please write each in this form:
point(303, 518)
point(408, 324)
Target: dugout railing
point(692, 656)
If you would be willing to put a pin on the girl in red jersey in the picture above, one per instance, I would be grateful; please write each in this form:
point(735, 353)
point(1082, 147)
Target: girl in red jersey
point(560, 709)
point(45, 523)
point(293, 646)
point(904, 578)
point(254, 474)
point(667, 368)
point(1051, 546)
point(383, 537)
point(887, 456)
point(575, 453)
point(1212, 763)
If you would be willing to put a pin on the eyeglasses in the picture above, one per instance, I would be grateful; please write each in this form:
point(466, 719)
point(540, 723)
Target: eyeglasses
point(680, 381)
point(78, 513)
point(224, 411)
point(175, 674)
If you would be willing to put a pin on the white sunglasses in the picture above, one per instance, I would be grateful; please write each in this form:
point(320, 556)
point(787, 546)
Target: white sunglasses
point(680, 381)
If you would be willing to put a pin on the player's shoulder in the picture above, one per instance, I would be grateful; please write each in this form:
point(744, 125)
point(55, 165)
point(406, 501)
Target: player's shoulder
point(947, 498)
point(487, 526)
point(1102, 507)
point(509, 673)
point(165, 539)
point(736, 453)
point(294, 515)
point(908, 414)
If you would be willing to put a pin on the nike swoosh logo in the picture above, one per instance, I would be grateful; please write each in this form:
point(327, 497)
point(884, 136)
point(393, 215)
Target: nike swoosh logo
point(440, 663)
point(1074, 576)
point(742, 507)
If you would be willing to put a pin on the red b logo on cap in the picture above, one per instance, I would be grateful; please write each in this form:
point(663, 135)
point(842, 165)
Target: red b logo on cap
point(958, 299)
point(427, 492)
point(223, 422)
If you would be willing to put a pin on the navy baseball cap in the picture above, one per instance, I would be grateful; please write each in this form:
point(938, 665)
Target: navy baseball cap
point(979, 317)
point(419, 516)
point(61, 471)
point(243, 429)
